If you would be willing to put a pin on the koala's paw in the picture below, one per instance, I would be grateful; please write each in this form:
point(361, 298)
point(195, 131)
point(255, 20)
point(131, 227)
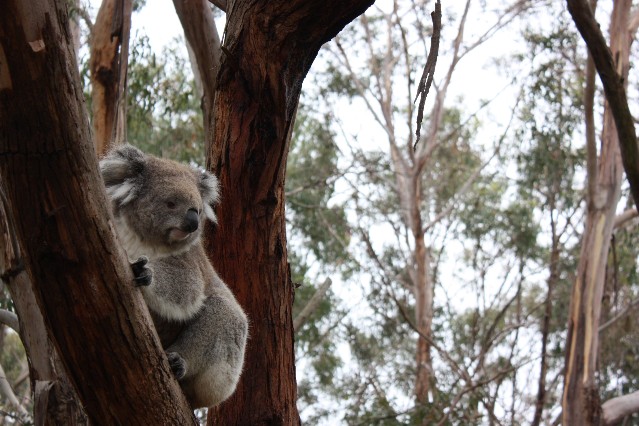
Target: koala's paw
point(177, 363)
point(142, 274)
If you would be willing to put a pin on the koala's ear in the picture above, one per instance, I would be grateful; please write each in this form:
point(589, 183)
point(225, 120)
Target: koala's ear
point(209, 188)
point(121, 172)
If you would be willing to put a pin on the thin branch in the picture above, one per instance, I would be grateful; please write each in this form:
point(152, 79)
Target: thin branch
point(471, 179)
point(429, 70)
point(619, 315)
point(84, 14)
point(312, 305)
point(625, 217)
point(5, 389)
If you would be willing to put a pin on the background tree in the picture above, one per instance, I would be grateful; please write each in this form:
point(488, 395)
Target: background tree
point(581, 402)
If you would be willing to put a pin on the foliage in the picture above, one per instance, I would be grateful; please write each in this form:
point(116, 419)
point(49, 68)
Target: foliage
point(164, 114)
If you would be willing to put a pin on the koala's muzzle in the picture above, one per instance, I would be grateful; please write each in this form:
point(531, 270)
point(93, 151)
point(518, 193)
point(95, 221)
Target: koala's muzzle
point(191, 221)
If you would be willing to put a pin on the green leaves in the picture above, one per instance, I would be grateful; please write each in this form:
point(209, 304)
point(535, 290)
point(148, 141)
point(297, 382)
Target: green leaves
point(164, 114)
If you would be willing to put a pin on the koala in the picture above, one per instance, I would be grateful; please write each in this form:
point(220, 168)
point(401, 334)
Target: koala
point(159, 208)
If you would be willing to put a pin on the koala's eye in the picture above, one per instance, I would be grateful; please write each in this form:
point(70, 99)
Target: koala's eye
point(170, 204)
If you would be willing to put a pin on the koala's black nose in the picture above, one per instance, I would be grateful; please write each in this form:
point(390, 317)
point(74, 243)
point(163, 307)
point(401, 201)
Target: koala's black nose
point(192, 220)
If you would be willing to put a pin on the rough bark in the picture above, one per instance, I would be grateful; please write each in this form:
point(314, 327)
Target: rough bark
point(81, 280)
point(269, 47)
point(106, 74)
point(581, 404)
point(202, 37)
point(54, 399)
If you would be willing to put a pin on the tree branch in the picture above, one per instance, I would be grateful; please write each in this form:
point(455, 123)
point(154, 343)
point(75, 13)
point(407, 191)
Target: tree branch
point(613, 84)
point(617, 408)
point(625, 217)
point(591, 139)
point(9, 319)
point(5, 389)
point(312, 305)
point(203, 41)
point(429, 70)
point(619, 315)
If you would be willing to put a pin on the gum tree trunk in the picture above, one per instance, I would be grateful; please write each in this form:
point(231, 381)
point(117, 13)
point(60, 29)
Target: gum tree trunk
point(581, 404)
point(81, 281)
point(269, 47)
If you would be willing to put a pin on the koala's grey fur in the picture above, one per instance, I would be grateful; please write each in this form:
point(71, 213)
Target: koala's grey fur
point(159, 207)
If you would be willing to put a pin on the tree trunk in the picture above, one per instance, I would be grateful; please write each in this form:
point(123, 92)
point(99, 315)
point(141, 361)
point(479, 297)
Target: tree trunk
point(423, 285)
point(104, 66)
point(82, 282)
point(581, 404)
point(54, 399)
point(269, 47)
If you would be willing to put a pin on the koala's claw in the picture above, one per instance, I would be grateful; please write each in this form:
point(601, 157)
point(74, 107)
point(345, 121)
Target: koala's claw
point(142, 274)
point(177, 364)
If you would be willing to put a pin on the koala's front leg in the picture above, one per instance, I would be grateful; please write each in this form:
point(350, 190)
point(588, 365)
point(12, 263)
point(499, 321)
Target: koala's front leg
point(142, 273)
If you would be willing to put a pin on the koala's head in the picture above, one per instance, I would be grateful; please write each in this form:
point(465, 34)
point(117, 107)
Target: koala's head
point(159, 205)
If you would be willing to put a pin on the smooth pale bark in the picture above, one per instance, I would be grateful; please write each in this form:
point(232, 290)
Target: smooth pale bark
point(615, 409)
point(269, 48)
point(581, 404)
point(203, 40)
point(81, 280)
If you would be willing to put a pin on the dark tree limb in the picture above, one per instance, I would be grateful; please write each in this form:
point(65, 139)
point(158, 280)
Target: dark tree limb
point(613, 85)
point(429, 69)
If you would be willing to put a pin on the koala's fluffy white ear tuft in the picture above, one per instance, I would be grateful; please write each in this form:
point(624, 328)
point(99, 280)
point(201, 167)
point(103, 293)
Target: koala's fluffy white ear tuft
point(209, 188)
point(121, 171)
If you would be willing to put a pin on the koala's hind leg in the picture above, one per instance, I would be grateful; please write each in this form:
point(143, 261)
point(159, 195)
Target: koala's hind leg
point(212, 345)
